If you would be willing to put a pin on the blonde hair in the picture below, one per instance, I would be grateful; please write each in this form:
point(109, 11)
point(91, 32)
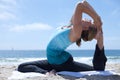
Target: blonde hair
point(87, 35)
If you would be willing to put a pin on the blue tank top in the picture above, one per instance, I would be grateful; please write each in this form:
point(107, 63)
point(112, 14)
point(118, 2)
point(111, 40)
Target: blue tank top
point(56, 47)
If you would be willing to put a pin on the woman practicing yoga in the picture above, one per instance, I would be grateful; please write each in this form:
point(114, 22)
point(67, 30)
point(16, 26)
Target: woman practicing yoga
point(60, 60)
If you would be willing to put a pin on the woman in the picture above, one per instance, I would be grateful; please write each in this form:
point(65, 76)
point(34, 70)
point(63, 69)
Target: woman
point(60, 60)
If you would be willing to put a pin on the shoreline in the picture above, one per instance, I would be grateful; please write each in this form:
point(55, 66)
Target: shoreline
point(6, 71)
point(86, 60)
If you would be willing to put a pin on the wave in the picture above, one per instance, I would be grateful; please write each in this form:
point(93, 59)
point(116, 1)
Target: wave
point(88, 60)
point(18, 60)
point(83, 59)
point(113, 59)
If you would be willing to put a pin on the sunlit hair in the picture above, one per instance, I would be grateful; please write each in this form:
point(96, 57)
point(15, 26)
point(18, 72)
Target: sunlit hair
point(87, 35)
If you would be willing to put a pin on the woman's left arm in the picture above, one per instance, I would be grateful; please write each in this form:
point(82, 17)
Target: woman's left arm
point(99, 38)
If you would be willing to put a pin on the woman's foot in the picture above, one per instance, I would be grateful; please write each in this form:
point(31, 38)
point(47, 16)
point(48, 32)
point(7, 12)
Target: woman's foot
point(52, 72)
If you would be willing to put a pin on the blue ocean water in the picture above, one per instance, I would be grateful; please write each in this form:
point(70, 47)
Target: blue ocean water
point(85, 56)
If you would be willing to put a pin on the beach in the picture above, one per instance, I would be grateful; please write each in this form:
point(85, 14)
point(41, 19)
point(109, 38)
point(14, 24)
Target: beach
point(6, 71)
point(9, 61)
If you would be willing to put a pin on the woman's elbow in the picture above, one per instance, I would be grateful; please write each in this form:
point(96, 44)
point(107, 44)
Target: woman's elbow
point(80, 4)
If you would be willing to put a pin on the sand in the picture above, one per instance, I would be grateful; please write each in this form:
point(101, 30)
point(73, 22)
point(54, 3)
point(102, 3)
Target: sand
point(6, 71)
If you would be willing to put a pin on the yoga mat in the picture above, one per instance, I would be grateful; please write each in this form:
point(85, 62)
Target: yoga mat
point(89, 73)
point(20, 75)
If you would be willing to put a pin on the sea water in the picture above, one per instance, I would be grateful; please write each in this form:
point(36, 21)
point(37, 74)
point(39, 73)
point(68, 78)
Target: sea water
point(83, 56)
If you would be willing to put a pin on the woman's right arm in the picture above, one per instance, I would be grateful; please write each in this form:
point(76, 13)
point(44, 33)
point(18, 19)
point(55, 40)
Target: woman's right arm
point(76, 20)
point(88, 9)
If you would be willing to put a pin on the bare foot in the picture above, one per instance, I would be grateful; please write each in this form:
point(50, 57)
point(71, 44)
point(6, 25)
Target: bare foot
point(51, 73)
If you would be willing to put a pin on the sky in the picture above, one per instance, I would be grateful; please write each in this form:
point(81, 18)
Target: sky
point(28, 24)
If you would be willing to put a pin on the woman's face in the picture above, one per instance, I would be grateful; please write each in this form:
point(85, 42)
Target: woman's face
point(89, 34)
point(86, 30)
point(86, 24)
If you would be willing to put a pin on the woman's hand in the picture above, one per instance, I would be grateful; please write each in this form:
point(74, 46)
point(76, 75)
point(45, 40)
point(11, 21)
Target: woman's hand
point(99, 38)
point(98, 23)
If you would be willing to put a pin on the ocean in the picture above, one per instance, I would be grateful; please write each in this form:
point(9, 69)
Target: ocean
point(83, 56)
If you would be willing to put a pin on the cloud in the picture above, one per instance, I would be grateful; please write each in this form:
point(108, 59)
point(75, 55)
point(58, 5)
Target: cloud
point(9, 2)
point(31, 27)
point(7, 16)
point(112, 38)
point(7, 9)
point(116, 12)
point(112, 42)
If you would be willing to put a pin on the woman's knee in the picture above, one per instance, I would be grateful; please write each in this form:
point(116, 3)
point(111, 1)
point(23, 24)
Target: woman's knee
point(21, 67)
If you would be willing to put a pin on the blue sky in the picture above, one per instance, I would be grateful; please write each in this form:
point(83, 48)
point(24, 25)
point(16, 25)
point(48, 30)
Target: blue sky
point(28, 24)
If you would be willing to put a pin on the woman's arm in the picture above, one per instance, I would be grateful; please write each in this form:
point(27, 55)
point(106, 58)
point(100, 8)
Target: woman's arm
point(99, 38)
point(77, 23)
point(76, 20)
point(88, 9)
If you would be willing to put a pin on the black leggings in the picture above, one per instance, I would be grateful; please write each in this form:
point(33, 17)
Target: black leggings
point(43, 66)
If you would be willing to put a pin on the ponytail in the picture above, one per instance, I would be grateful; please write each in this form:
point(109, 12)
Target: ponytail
point(78, 42)
point(87, 35)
